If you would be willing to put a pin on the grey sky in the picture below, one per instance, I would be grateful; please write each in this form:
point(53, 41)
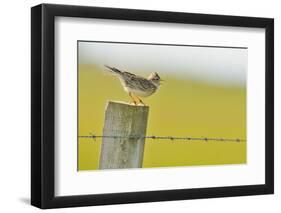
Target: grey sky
point(226, 66)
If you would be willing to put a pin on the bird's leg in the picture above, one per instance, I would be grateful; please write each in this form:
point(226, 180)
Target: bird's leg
point(140, 101)
point(134, 101)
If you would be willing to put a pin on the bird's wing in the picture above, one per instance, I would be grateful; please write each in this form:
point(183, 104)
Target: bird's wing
point(129, 75)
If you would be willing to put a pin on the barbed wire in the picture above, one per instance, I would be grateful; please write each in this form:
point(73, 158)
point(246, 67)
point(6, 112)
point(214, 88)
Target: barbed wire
point(171, 138)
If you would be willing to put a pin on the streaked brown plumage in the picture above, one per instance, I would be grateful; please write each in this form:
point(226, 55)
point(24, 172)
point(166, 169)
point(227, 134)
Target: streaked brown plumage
point(136, 85)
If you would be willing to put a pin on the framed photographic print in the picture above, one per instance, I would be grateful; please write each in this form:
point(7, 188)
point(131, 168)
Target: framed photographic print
point(139, 106)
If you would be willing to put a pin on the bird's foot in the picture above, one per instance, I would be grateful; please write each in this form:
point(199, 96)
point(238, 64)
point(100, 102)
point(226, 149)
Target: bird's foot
point(134, 103)
point(136, 100)
point(141, 102)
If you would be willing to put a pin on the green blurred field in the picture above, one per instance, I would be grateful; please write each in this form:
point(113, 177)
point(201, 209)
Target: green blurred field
point(179, 108)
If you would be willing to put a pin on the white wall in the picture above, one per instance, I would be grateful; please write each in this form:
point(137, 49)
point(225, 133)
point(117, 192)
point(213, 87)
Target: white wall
point(15, 105)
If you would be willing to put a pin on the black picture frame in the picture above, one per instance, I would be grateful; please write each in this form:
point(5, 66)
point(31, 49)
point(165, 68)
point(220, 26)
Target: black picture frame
point(43, 102)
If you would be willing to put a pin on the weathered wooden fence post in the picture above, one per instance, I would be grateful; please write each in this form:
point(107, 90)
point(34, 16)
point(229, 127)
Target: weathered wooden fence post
point(128, 123)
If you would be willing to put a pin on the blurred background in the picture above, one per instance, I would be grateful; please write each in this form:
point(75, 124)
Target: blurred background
point(203, 95)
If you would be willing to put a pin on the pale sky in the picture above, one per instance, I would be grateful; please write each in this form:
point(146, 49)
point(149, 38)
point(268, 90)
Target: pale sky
point(226, 66)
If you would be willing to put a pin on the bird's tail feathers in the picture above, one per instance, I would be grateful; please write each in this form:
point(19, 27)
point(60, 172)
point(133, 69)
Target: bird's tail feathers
point(113, 70)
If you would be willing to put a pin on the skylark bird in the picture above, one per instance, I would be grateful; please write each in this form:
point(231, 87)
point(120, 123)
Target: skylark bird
point(137, 86)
